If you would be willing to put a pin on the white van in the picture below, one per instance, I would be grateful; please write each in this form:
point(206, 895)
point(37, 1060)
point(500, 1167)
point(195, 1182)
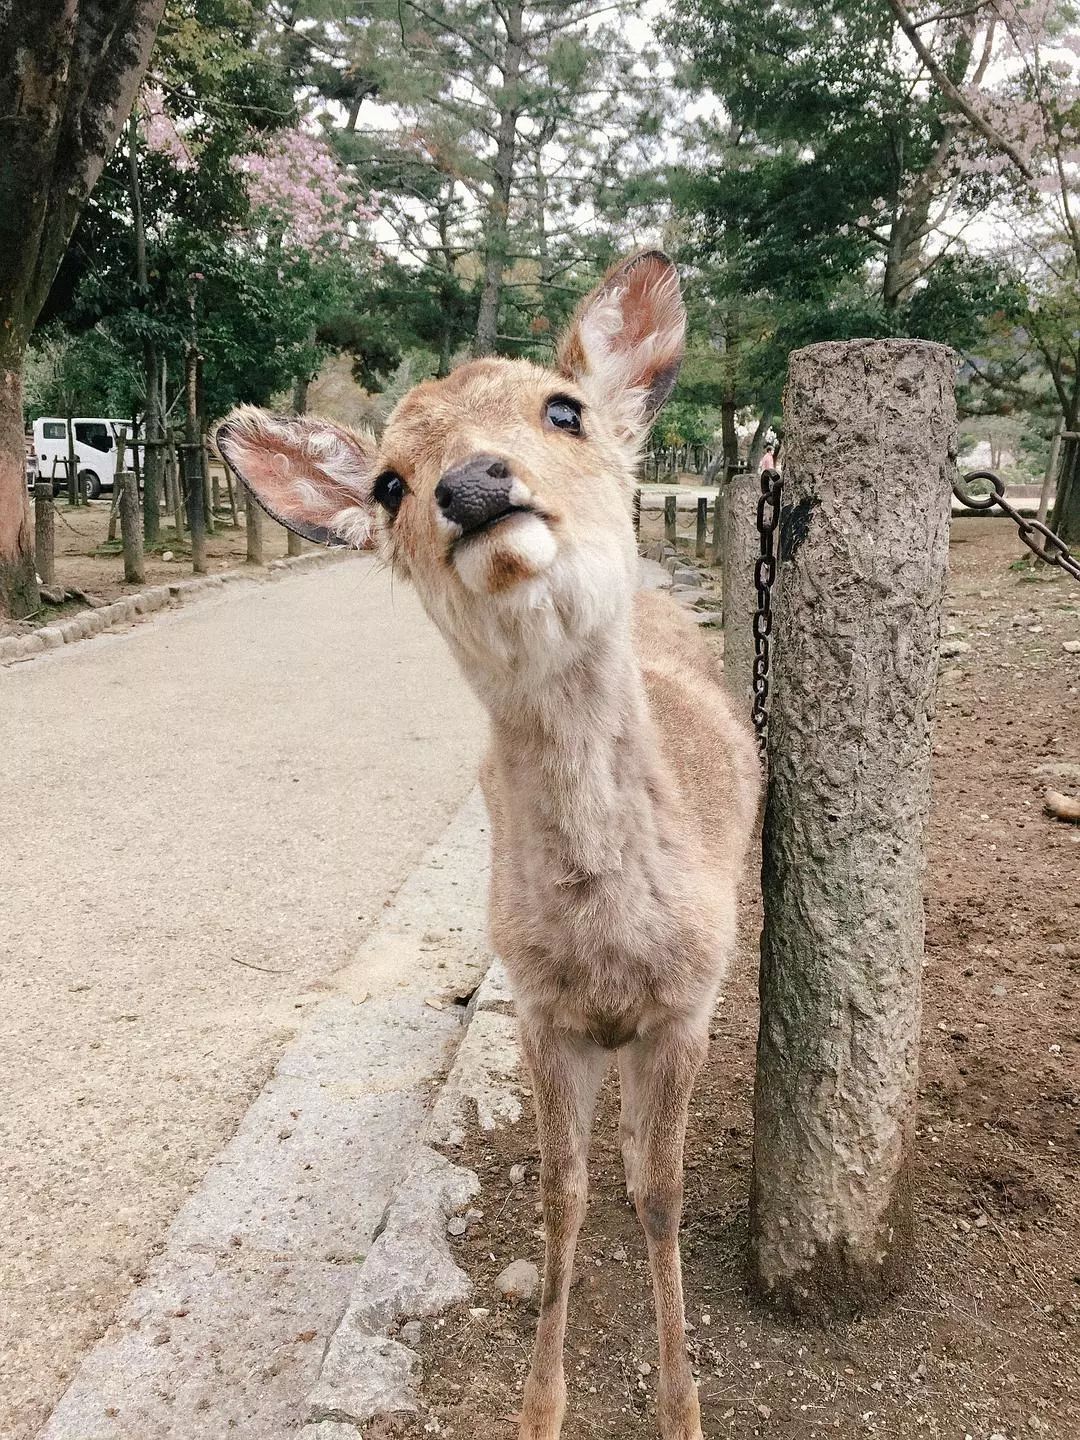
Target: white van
point(95, 451)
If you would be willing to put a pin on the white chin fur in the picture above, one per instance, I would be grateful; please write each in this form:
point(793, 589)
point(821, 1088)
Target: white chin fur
point(525, 539)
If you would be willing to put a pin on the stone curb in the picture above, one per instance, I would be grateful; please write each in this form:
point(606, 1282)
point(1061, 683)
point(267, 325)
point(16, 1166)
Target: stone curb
point(409, 1274)
point(157, 597)
point(232, 1330)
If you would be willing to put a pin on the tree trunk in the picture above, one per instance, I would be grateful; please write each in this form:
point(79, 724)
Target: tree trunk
point(131, 529)
point(1050, 473)
point(871, 429)
point(739, 548)
point(192, 466)
point(76, 493)
point(498, 217)
point(154, 452)
point(118, 489)
point(173, 485)
point(293, 543)
point(18, 582)
point(68, 76)
point(253, 527)
point(155, 455)
point(1067, 497)
point(729, 434)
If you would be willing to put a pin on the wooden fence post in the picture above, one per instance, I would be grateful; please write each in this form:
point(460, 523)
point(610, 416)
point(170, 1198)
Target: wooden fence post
point(870, 429)
point(671, 522)
point(253, 522)
point(737, 504)
point(44, 532)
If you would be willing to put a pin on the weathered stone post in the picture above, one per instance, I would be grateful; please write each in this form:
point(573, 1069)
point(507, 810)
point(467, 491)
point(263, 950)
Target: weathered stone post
point(701, 536)
point(44, 532)
point(671, 518)
point(131, 528)
point(737, 502)
point(870, 432)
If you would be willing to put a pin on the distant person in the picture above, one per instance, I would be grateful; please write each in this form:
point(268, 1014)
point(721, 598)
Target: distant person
point(768, 459)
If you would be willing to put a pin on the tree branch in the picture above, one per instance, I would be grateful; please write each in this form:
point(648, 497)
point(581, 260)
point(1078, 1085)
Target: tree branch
point(954, 95)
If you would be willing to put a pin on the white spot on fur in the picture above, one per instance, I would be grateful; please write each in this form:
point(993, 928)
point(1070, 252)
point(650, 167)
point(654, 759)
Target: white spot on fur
point(525, 539)
point(519, 492)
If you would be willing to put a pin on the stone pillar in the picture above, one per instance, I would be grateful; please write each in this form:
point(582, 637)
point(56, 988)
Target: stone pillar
point(131, 528)
point(44, 532)
point(870, 441)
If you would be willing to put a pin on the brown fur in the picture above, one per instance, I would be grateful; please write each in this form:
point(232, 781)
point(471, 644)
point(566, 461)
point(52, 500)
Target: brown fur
point(622, 790)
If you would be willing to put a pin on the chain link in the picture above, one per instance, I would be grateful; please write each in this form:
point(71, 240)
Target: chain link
point(1039, 539)
point(1050, 547)
point(768, 517)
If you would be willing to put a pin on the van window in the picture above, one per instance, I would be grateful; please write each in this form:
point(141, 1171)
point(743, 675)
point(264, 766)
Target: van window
point(54, 430)
point(94, 434)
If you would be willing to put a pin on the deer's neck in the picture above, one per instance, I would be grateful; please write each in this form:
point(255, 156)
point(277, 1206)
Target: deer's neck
point(578, 758)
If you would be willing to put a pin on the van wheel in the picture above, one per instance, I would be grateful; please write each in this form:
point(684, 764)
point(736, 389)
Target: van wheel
point(92, 483)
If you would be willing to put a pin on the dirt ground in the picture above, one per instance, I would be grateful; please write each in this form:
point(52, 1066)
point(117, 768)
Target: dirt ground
point(985, 1343)
point(85, 560)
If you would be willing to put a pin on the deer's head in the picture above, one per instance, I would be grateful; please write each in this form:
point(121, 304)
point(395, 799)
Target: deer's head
point(502, 490)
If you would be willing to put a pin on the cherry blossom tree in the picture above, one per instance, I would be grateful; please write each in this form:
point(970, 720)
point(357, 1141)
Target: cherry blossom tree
point(299, 191)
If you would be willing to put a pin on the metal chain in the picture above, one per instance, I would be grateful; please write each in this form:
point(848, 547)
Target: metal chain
point(1049, 548)
point(1039, 539)
point(768, 517)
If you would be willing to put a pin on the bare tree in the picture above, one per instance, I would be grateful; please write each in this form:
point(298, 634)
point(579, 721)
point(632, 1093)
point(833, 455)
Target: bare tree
point(69, 72)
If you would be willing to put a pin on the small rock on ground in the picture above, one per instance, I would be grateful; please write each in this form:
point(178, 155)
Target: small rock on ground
point(519, 1281)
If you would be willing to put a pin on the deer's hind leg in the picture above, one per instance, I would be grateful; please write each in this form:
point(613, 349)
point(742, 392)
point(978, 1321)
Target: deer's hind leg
point(566, 1072)
point(628, 1121)
point(664, 1066)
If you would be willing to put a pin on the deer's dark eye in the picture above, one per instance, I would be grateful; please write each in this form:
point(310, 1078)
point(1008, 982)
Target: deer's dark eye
point(389, 491)
point(564, 414)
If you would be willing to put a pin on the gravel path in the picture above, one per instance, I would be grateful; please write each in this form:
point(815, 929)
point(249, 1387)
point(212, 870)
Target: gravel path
point(240, 784)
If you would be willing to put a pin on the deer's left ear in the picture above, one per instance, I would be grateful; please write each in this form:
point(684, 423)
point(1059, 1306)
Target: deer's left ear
point(312, 476)
point(625, 343)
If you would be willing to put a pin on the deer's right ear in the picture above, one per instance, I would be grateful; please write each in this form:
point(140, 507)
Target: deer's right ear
point(312, 476)
point(625, 342)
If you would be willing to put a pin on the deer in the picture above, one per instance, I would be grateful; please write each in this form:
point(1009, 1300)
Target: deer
point(621, 788)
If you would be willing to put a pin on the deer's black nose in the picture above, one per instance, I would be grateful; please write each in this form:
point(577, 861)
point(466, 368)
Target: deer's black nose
point(476, 492)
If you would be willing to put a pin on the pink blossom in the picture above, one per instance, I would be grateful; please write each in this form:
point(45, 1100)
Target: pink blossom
point(160, 131)
point(297, 186)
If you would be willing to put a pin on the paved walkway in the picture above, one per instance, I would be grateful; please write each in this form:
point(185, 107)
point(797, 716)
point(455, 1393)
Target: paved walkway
point(240, 784)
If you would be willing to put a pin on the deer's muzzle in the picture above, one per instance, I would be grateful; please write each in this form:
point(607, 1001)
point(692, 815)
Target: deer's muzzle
point(478, 493)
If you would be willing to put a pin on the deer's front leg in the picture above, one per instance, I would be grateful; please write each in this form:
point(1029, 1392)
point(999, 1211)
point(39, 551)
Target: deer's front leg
point(664, 1067)
point(566, 1073)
